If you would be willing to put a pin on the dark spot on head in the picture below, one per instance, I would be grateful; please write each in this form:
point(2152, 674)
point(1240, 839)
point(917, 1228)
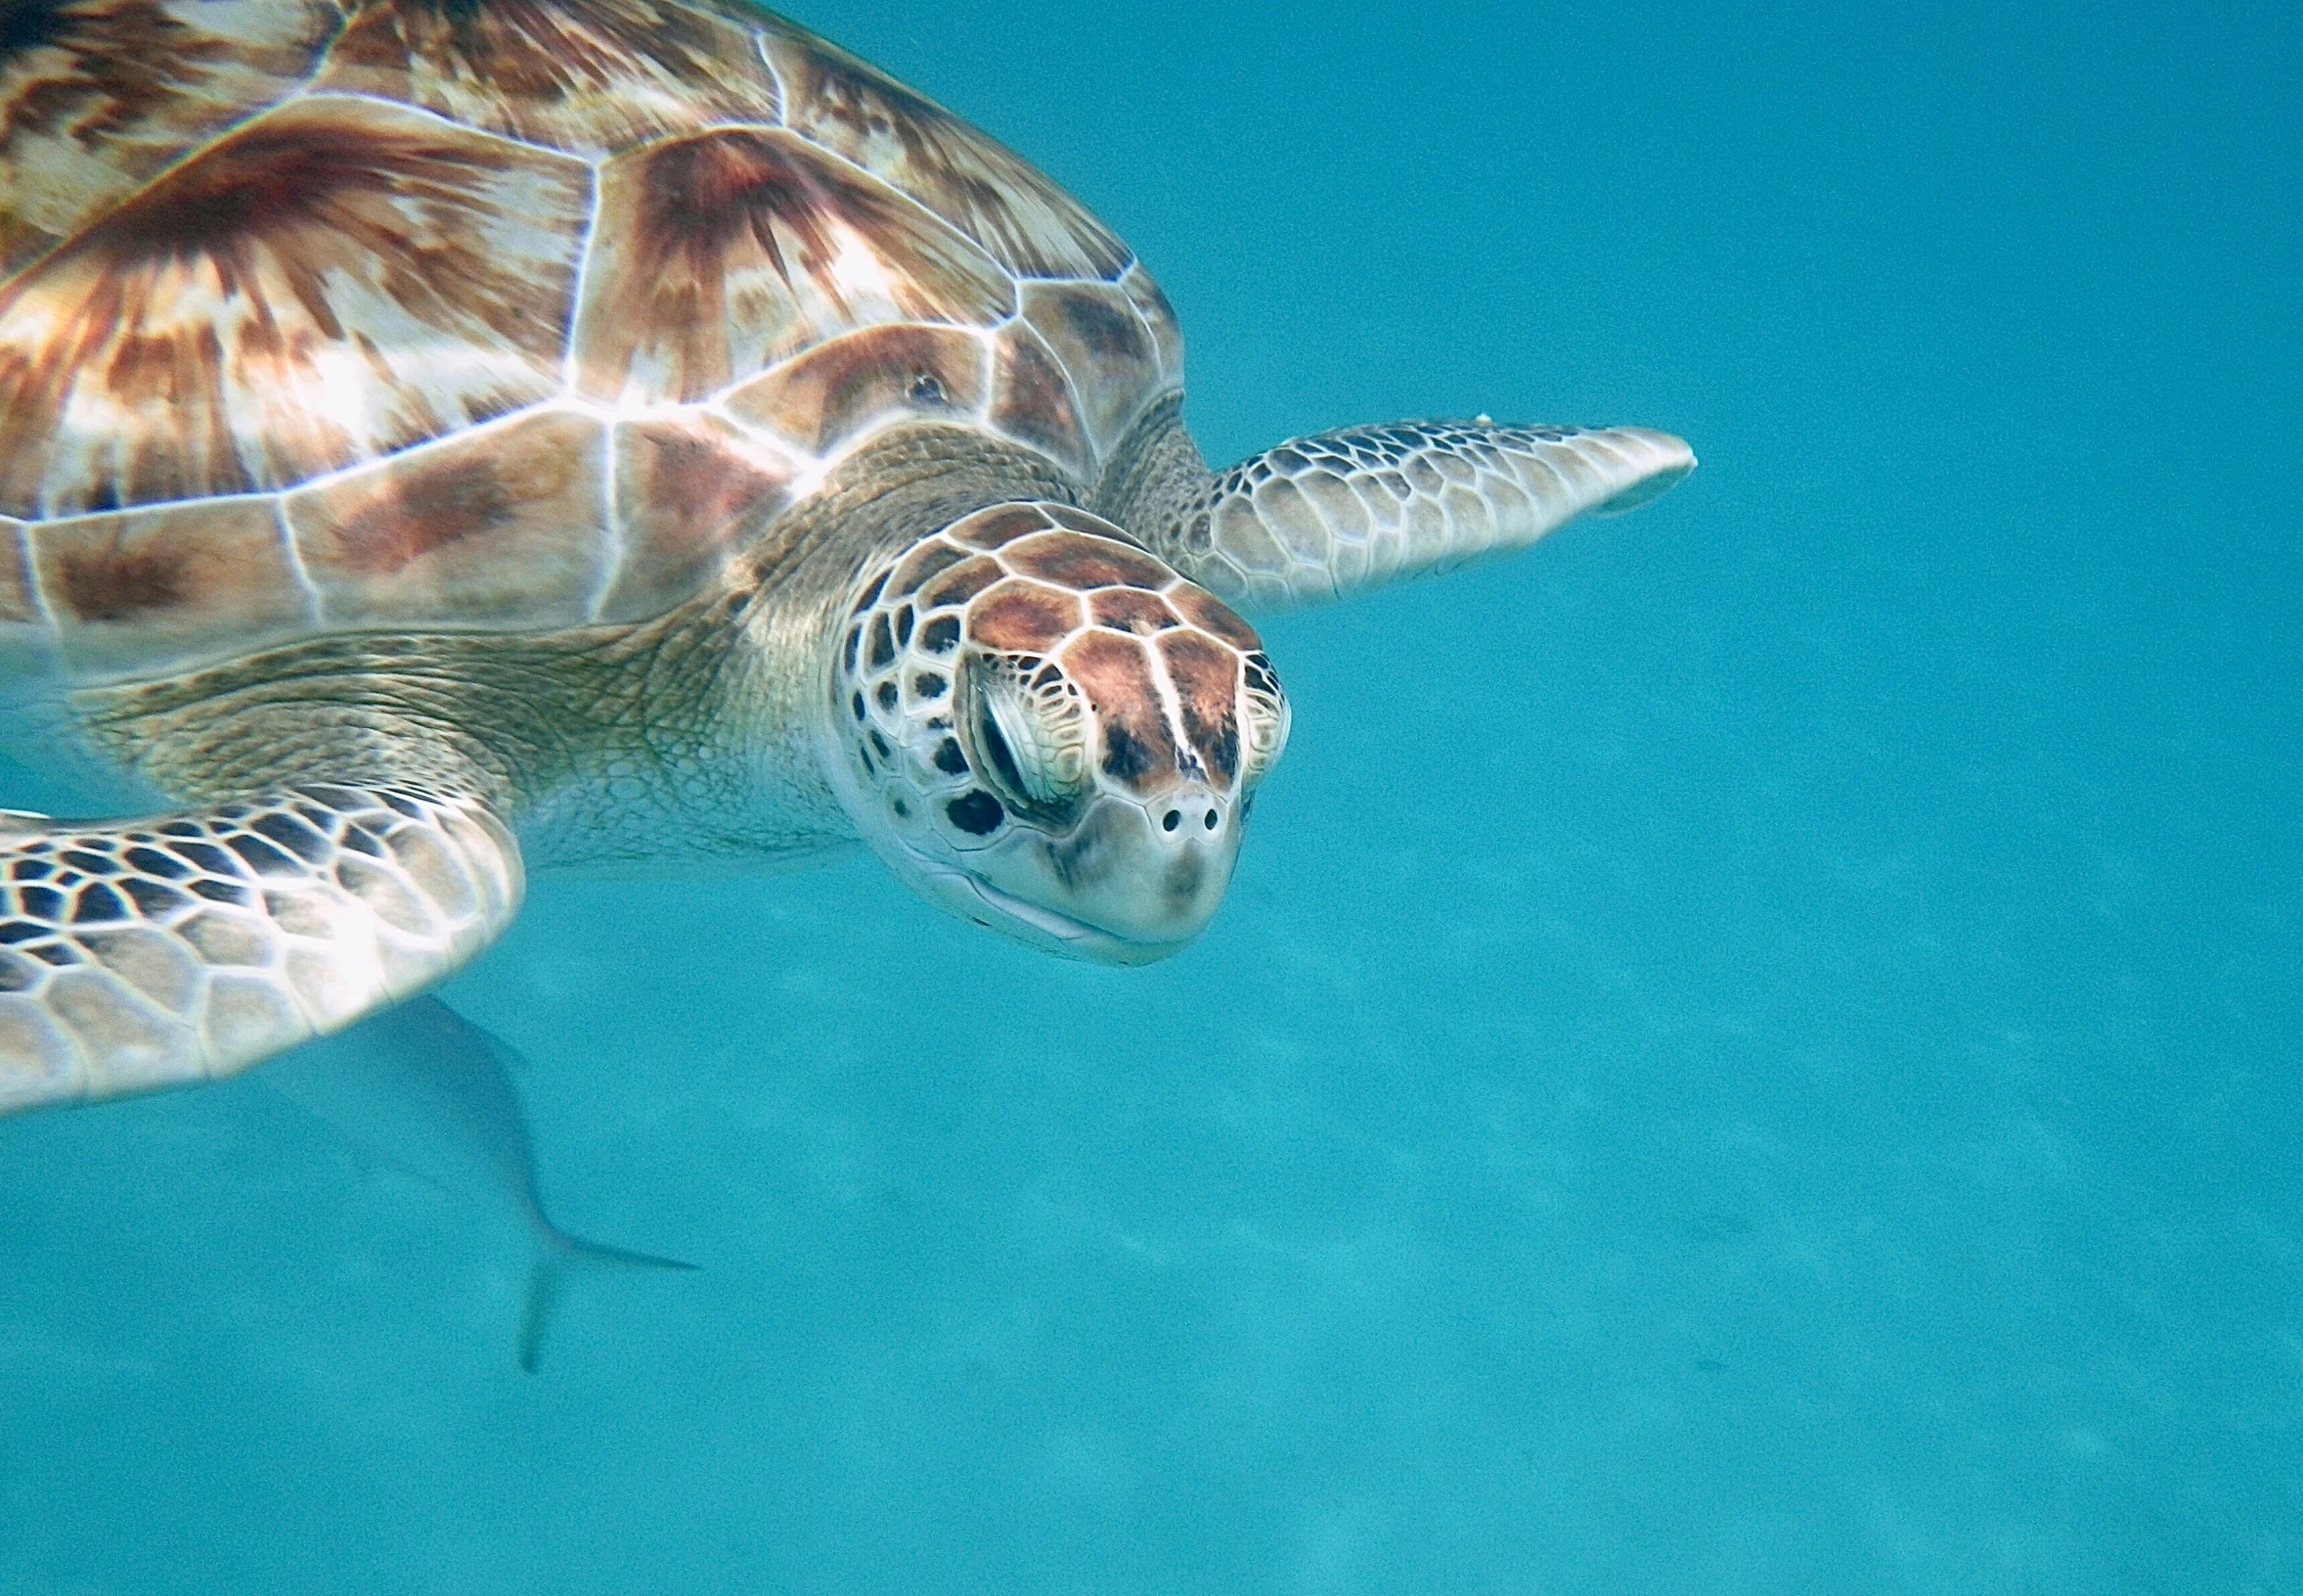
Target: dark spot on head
point(1131, 609)
point(904, 624)
point(1123, 757)
point(999, 526)
point(959, 586)
point(883, 642)
point(856, 702)
point(903, 810)
point(927, 684)
point(926, 564)
point(880, 743)
point(949, 759)
point(1205, 677)
point(1116, 672)
point(871, 594)
point(887, 695)
point(855, 640)
point(1025, 616)
point(1077, 561)
point(976, 812)
point(941, 634)
point(1204, 610)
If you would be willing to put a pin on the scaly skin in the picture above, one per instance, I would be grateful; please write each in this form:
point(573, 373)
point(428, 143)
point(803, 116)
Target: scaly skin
point(686, 737)
point(350, 802)
point(1320, 519)
point(349, 805)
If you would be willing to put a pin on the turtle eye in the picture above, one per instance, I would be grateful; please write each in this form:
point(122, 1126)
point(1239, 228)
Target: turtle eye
point(1028, 726)
point(1263, 720)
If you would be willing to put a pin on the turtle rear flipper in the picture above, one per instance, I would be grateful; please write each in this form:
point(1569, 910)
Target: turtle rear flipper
point(1323, 518)
point(166, 951)
point(555, 1258)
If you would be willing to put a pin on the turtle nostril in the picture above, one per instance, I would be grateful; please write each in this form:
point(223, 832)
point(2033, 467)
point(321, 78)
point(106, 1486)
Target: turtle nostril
point(1175, 818)
point(1210, 820)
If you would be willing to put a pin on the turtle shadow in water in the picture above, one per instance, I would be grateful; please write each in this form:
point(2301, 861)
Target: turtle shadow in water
point(423, 1089)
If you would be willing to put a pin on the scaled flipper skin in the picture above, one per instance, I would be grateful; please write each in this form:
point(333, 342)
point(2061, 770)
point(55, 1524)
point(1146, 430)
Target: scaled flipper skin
point(142, 954)
point(1320, 518)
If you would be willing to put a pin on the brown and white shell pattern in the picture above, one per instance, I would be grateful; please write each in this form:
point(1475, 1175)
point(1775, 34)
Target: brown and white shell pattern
point(488, 315)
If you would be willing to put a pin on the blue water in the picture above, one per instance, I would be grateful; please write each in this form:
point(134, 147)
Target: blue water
point(1752, 1049)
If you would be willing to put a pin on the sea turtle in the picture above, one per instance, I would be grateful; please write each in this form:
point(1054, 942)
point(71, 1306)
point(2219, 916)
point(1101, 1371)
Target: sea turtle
point(441, 438)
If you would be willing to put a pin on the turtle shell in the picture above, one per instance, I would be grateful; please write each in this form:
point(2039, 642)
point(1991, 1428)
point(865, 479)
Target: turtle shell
point(488, 315)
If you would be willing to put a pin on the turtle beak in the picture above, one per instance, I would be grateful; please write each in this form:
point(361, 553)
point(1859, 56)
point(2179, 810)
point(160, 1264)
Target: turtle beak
point(1131, 884)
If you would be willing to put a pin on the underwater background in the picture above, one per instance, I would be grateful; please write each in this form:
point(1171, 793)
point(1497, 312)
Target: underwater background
point(1752, 1047)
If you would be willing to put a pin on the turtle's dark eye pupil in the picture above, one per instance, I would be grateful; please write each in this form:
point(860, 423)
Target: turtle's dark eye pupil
point(927, 388)
point(1038, 796)
point(994, 747)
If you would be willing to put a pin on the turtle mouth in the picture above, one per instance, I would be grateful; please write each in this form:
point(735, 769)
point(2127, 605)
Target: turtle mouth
point(1053, 929)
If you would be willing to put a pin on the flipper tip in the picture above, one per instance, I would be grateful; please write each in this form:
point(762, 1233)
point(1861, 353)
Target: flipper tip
point(548, 1275)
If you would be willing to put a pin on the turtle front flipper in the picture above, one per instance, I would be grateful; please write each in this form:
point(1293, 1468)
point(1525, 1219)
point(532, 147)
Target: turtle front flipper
point(1321, 517)
point(143, 954)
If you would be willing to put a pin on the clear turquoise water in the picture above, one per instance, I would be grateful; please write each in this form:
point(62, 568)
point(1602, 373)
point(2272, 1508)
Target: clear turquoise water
point(1752, 1049)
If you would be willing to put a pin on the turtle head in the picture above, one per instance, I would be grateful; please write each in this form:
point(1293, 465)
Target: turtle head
point(1048, 731)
